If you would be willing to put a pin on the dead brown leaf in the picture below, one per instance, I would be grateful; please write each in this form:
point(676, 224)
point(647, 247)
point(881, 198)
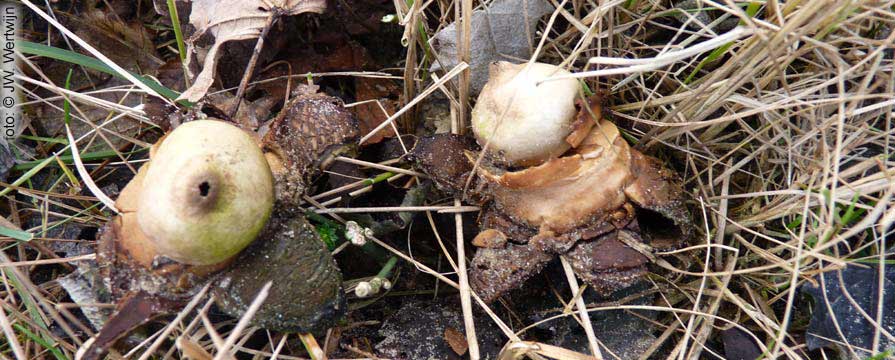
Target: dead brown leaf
point(229, 20)
point(456, 340)
point(384, 91)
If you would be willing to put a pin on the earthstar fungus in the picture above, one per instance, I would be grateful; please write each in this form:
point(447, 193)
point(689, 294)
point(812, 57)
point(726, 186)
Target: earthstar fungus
point(218, 206)
point(590, 201)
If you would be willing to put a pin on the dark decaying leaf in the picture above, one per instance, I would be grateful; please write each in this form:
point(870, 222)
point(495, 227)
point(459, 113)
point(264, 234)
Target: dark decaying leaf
point(134, 310)
point(860, 284)
point(738, 345)
point(127, 43)
point(183, 11)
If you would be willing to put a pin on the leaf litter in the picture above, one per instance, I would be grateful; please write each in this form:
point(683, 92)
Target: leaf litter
point(232, 20)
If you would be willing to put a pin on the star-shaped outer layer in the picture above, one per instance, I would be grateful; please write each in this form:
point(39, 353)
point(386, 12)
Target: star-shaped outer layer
point(145, 284)
point(590, 205)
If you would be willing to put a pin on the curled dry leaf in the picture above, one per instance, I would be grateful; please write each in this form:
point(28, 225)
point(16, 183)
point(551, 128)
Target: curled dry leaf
point(230, 20)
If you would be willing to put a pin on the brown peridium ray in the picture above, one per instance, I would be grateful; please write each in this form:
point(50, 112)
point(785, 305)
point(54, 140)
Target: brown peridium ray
point(589, 205)
point(191, 216)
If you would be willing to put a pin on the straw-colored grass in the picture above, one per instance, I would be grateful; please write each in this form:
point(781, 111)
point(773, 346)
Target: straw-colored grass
point(778, 115)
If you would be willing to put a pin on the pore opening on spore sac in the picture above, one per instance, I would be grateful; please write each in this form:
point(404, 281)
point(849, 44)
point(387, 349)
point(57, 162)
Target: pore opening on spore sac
point(204, 188)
